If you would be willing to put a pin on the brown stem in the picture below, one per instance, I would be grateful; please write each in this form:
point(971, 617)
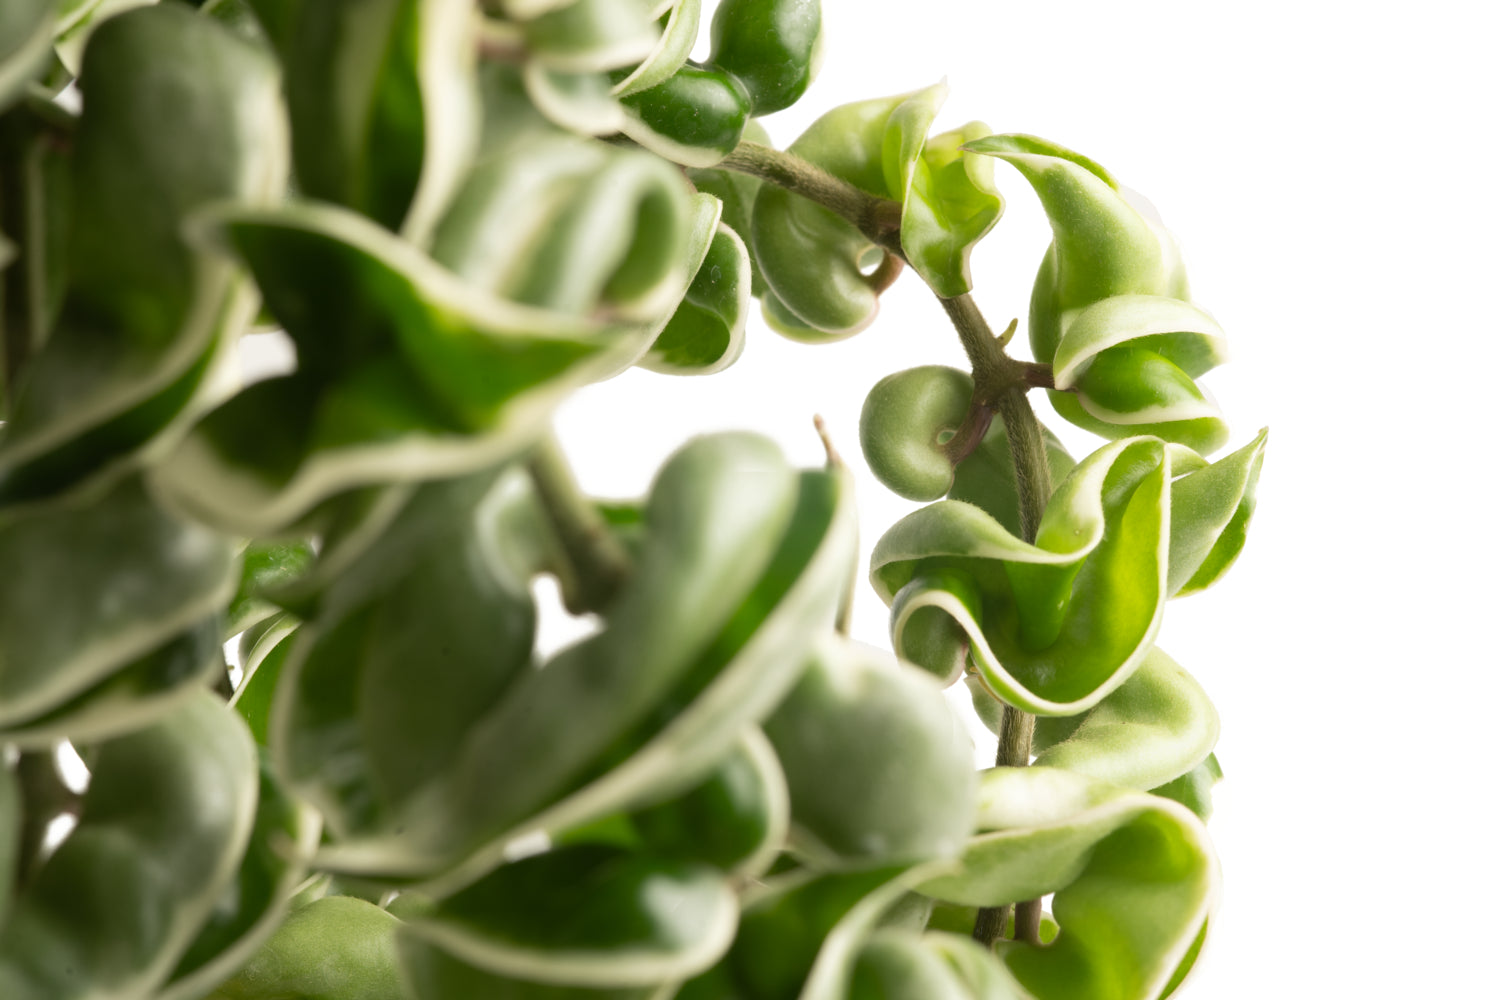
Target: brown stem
point(878, 218)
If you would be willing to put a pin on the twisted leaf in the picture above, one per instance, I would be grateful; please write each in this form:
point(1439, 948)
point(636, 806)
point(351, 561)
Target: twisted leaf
point(1134, 875)
point(180, 112)
point(165, 821)
point(1109, 309)
point(25, 44)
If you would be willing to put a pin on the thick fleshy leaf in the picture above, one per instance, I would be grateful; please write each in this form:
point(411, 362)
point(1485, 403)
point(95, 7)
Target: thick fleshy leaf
point(1134, 876)
point(432, 974)
point(735, 821)
point(263, 652)
point(132, 696)
point(10, 836)
point(1211, 511)
point(737, 191)
point(770, 47)
point(671, 51)
point(905, 787)
point(383, 108)
point(404, 373)
point(164, 823)
point(896, 966)
point(109, 583)
point(1109, 308)
point(1052, 627)
point(334, 948)
point(588, 36)
point(818, 265)
point(356, 729)
point(588, 915)
point(987, 478)
point(146, 317)
point(253, 904)
point(695, 117)
point(707, 332)
point(1154, 728)
point(799, 936)
point(1194, 789)
point(740, 566)
point(552, 220)
point(264, 566)
point(25, 44)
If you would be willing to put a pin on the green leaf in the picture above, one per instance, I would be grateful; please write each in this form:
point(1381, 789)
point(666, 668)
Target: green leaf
point(1154, 728)
point(671, 51)
point(1109, 308)
point(902, 428)
point(264, 566)
point(707, 332)
point(383, 106)
point(740, 567)
point(255, 902)
point(355, 729)
point(735, 821)
point(25, 44)
point(588, 915)
point(146, 317)
point(263, 652)
point(770, 47)
point(904, 797)
point(1053, 627)
point(334, 948)
point(404, 373)
point(123, 578)
point(164, 823)
point(1134, 876)
point(695, 117)
point(1211, 511)
point(132, 696)
point(592, 35)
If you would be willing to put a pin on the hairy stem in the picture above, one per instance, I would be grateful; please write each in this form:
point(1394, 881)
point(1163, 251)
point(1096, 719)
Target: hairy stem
point(594, 563)
point(878, 218)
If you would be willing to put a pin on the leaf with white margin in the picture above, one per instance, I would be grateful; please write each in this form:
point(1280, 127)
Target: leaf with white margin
point(146, 315)
point(1134, 875)
point(1109, 307)
point(800, 934)
point(549, 219)
point(671, 51)
point(948, 198)
point(588, 915)
point(263, 652)
point(1154, 728)
point(736, 820)
point(333, 948)
point(383, 106)
point(255, 902)
point(742, 565)
point(814, 261)
point(430, 973)
point(707, 332)
point(1129, 362)
point(897, 965)
point(25, 44)
point(118, 578)
point(264, 565)
point(1053, 627)
point(590, 36)
point(131, 697)
point(1211, 511)
point(354, 728)
point(405, 373)
point(1194, 789)
point(164, 823)
point(902, 798)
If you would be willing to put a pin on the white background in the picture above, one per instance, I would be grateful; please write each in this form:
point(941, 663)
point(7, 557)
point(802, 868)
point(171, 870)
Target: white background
point(1329, 169)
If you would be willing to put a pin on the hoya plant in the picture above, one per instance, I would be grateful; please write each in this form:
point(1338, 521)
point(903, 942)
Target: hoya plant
point(288, 625)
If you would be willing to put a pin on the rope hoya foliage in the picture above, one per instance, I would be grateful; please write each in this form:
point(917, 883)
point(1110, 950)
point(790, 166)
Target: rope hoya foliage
point(454, 214)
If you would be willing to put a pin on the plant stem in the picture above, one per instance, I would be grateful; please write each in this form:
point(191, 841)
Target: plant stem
point(1000, 386)
point(878, 218)
point(594, 563)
